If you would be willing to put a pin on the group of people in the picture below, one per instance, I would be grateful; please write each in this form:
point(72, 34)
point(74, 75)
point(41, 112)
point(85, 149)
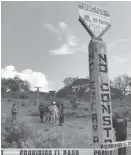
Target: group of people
point(52, 113)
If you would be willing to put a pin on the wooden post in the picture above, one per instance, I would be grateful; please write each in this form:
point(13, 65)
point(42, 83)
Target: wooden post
point(37, 96)
point(96, 24)
point(100, 94)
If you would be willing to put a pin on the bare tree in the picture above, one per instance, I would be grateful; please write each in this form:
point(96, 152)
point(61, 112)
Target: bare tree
point(123, 83)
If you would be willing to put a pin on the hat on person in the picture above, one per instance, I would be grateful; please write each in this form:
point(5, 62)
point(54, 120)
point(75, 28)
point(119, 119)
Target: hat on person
point(117, 113)
point(53, 102)
point(14, 104)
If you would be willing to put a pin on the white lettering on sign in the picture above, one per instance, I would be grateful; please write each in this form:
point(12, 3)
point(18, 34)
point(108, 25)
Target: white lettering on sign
point(96, 19)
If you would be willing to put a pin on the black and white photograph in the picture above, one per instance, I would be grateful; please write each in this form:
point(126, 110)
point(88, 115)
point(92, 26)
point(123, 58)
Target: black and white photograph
point(66, 77)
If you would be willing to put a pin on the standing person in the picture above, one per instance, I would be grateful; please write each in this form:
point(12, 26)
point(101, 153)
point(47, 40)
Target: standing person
point(41, 110)
point(73, 101)
point(120, 126)
point(61, 115)
point(55, 112)
point(14, 113)
point(47, 114)
point(50, 113)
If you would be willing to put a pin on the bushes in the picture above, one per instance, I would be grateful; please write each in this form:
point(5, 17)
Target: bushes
point(23, 95)
point(23, 104)
point(9, 100)
point(86, 109)
point(48, 139)
point(22, 135)
point(33, 112)
point(17, 135)
point(76, 114)
point(129, 113)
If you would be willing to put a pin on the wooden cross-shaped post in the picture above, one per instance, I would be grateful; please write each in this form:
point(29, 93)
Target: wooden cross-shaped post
point(37, 96)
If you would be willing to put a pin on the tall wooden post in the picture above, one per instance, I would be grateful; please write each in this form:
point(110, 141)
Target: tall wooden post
point(37, 96)
point(100, 94)
point(96, 21)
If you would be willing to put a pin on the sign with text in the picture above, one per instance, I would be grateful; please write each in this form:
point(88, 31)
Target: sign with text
point(96, 20)
point(55, 152)
point(106, 149)
point(100, 98)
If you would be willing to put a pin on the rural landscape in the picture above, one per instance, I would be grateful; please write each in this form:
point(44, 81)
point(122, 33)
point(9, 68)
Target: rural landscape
point(29, 132)
point(65, 77)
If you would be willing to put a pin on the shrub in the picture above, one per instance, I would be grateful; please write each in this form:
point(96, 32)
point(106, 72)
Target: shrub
point(76, 114)
point(48, 139)
point(23, 95)
point(33, 103)
point(22, 135)
point(33, 112)
point(16, 135)
point(23, 104)
point(9, 100)
point(86, 109)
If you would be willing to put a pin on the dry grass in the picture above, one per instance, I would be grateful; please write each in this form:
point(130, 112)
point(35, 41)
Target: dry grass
point(123, 107)
point(22, 135)
point(75, 133)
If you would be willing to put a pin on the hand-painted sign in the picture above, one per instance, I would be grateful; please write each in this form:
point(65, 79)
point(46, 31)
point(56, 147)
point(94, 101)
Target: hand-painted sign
point(100, 98)
point(95, 20)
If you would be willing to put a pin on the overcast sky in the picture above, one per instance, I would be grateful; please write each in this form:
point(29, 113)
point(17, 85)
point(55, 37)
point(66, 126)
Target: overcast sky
point(44, 41)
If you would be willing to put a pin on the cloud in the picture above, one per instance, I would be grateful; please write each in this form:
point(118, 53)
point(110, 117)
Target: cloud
point(119, 59)
point(71, 44)
point(34, 78)
point(63, 28)
point(51, 28)
point(117, 42)
point(62, 25)
point(63, 50)
point(70, 37)
point(119, 50)
point(72, 40)
point(84, 46)
point(59, 38)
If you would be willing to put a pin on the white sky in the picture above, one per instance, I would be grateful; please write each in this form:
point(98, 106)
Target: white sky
point(44, 41)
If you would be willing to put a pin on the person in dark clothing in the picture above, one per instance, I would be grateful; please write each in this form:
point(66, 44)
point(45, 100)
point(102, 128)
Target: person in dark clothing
point(120, 126)
point(14, 113)
point(41, 110)
point(47, 119)
point(61, 115)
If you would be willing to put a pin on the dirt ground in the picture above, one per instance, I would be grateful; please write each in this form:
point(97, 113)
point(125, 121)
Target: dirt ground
point(77, 131)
